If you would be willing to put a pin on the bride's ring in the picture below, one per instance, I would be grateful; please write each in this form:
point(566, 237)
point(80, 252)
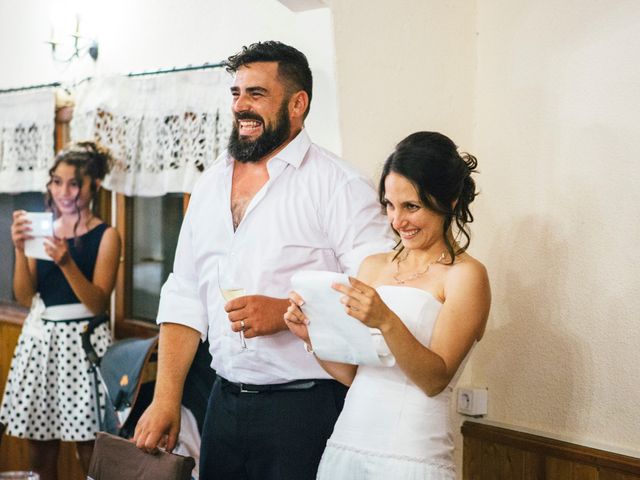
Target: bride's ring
point(242, 325)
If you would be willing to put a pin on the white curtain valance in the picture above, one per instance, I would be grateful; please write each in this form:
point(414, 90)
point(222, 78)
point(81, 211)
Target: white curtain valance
point(27, 120)
point(162, 130)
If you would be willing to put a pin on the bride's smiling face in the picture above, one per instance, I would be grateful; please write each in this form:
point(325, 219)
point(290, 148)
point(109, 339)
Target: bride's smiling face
point(417, 226)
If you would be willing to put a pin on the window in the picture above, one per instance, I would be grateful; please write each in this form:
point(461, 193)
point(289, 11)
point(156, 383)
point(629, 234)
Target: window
point(149, 227)
point(31, 201)
point(154, 236)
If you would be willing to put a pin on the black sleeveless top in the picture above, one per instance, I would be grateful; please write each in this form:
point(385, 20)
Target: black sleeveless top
point(52, 284)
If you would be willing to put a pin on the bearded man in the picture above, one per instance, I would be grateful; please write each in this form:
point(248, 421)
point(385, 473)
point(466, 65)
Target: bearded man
point(275, 203)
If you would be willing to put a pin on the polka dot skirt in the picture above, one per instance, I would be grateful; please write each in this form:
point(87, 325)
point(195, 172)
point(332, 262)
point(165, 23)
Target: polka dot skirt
point(50, 393)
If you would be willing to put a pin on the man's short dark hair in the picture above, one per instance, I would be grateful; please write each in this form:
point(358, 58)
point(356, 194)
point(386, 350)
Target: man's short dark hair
point(293, 67)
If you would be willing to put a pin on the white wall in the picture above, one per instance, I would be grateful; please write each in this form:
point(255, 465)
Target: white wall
point(146, 35)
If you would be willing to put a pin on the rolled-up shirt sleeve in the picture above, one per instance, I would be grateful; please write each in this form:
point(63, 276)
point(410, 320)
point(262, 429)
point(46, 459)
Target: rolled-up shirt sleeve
point(356, 226)
point(179, 299)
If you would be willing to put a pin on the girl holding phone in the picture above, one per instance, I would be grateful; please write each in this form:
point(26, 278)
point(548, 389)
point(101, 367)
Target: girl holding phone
point(50, 395)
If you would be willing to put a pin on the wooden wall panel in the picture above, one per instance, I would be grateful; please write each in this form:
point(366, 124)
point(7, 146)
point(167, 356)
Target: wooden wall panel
point(13, 452)
point(585, 472)
point(533, 468)
point(557, 469)
point(494, 453)
point(608, 474)
point(501, 462)
point(68, 463)
point(472, 459)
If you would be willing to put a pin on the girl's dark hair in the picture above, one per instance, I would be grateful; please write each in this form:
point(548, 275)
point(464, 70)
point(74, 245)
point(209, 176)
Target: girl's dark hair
point(442, 178)
point(87, 158)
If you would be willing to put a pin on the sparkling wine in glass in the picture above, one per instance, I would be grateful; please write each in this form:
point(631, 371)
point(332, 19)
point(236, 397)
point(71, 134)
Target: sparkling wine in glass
point(232, 293)
point(230, 283)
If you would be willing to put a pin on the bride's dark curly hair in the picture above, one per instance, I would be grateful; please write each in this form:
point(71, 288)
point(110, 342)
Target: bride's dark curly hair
point(442, 178)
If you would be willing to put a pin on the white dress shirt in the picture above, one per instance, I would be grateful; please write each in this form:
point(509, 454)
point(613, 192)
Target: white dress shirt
point(315, 212)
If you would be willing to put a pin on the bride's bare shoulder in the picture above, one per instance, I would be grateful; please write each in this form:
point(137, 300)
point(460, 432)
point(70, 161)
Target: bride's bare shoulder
point(467, 271)
point(380, 259)
point(372, 266)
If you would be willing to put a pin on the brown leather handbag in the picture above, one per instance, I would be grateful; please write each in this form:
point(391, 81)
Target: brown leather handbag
point(116, 458)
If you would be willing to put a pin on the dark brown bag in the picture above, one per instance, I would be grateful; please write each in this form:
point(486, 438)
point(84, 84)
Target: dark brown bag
point(116, 458)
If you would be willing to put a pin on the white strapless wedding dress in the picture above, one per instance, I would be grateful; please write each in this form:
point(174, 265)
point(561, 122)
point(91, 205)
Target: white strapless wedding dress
point(389, 428)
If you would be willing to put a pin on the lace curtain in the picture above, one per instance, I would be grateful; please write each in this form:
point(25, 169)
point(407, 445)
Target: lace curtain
point(162, 130)
point(27, 120)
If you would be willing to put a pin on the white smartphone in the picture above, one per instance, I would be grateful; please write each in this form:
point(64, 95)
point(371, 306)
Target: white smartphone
point(41, 224)
point(41, 227)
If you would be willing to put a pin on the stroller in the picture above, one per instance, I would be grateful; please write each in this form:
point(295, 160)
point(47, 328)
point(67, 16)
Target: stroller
point(127, 372)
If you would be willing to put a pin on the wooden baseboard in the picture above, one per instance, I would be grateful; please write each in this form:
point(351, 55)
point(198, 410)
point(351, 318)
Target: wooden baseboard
point(495, 453)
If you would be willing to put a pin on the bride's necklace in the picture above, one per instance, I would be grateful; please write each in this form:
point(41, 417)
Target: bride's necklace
point(413, 276)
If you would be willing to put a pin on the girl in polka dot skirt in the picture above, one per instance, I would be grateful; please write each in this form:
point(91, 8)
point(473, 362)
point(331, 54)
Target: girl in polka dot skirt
point(50, 396)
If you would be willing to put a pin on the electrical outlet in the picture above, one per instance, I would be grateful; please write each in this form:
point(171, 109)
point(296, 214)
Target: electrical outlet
point(472, 401)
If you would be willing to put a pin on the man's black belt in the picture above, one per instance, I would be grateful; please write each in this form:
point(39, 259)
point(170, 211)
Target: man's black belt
point(234, 387)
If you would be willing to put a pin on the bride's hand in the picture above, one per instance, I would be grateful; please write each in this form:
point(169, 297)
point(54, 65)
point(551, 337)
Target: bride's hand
point(295, 319)
point(363, 303)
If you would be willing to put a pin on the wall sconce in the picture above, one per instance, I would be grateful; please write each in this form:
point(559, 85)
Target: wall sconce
point(77, 47)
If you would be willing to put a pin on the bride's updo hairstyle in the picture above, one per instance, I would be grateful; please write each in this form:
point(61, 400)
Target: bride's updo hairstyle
point(442, 177)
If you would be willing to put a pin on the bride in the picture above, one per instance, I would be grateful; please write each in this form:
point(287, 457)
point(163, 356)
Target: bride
point(430, 299)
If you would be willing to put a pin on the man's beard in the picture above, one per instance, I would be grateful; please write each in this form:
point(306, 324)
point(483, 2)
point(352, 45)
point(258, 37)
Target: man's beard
point(247, 151)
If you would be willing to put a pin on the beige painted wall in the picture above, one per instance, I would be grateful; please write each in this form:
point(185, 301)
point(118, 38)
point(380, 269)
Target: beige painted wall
point(402, 66)
point(557, 100)
point(547, 95)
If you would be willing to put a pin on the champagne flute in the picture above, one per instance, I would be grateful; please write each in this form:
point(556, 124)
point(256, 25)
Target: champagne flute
point(230, 283)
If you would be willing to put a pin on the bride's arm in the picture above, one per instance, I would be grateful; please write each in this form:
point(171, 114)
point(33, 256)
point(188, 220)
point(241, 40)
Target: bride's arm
point(342, 372)
point(297, 323)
